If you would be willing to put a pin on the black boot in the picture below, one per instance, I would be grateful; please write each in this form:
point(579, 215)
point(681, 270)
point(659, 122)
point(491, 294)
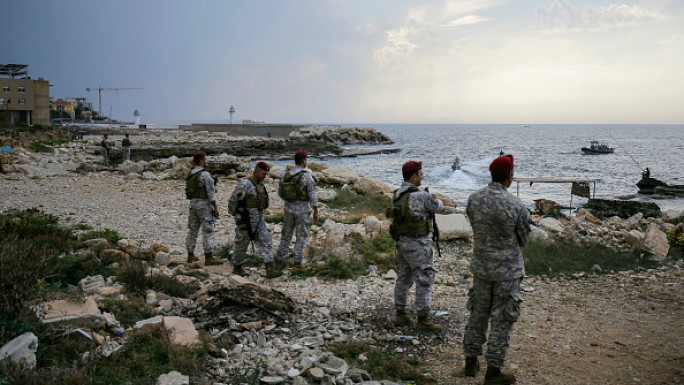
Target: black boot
point(493, 376)
point(238, 270)
point(472, 365)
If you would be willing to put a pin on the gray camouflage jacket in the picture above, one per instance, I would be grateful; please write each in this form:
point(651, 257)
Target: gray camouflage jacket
point(308, 183)
point(501, 227)
point(207, 182)
point(421, 203)
point(244, 188)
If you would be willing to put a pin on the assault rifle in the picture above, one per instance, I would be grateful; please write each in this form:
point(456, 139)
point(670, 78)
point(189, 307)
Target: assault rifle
point(246, 220)
point(435, 230)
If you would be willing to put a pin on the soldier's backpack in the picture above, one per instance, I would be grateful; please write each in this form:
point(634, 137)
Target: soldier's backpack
point(126, 142)
point(403, 223)
point(292, 189)
point(193, 190)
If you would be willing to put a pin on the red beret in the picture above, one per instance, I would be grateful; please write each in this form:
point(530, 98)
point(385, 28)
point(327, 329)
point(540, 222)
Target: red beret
point(502, 164)
point(200, 155)
point(412, 166)
point(301, 154)
point(264, 166)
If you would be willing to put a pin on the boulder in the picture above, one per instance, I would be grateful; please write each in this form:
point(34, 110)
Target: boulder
point(673, 216)
point(551, 224)
point(655, 242)
point(173, 378)
point(128, 167)
point(453, 226)
point(97, 244)
point(326, 194)
point(634, 237)
point(83, 312)
point(182, 330)
point(538, 234)
point(371, 186)
point(21, 350)
point(604, 208)
point(448, 202)
point(339, 175)
point(112, 255)
point(373, 226)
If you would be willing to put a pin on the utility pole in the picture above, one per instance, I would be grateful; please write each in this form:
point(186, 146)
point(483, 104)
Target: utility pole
point(99, 90)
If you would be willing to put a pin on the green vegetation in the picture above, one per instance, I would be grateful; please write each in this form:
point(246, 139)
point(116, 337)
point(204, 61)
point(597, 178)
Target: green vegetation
point(381, 364)
point(359, 205)
point(128, 311)
point(564, 257)
point(46, 146)
point(339, 268)
point(136, 281)
point(112, 236)
point(275, 218)
point(380, 251)
point(676, 240)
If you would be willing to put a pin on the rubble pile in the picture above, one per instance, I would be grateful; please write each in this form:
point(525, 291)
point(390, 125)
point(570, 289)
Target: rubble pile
point(344, 135)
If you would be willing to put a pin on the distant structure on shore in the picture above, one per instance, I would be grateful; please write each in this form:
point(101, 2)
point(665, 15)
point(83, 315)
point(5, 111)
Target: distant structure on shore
point(27, 101)
point(232, 115)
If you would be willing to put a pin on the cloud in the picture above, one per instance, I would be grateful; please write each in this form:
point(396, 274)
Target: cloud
point(466, 20)
point(561, 17)
point(397, 45)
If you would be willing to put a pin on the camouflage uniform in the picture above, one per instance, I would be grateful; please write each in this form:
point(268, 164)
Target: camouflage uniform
point(126, 145)
point(414, 255)
point(262, 237)
point(501, 227)
point(107, 146)
point(297, 217)
point(201, 215)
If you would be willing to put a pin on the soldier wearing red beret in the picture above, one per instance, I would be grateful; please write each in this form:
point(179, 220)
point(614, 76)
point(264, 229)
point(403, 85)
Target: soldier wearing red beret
point(411, 228)
point(200, 189)
point(500, 223)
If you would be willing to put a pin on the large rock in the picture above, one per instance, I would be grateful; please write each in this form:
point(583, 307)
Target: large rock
point(453, 226)
point(128, 167)
point(339, 175)
point(673, 216)
point(371, 186)
point(655, 242)
point(538, 234)
point(81, 312)
point(634, 237)
point(604, 208)
point(551, 224)
point(173, 378)
point(373, 226)
point(21, 350)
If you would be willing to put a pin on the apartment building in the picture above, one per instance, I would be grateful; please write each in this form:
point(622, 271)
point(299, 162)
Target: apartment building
point(23, 100)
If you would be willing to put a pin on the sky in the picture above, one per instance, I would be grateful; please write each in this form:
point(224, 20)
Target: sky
point(359, 61)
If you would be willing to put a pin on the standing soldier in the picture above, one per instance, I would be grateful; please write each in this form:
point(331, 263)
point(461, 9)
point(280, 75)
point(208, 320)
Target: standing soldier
point(412, 229)
point(298, 189)
point(199, 188)
point(500, 228)
point(247, 204)
point(107, 145)
point(126, 145)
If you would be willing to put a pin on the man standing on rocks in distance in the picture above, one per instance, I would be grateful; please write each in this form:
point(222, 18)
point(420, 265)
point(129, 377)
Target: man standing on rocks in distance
point(107, 146)
point(199, 188)
point(412, 229)
point(247, 205)
point(501, 227)
point(298, 189)
point(126, 145)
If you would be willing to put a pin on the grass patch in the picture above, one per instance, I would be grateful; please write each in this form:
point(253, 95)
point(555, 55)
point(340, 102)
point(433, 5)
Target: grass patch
point(338, 268)
point(128, 311)
point(565, 257)
point(110, 235)
point(381, 364)
point(275, 218)
point(380, 251)
point(359, 204)
point(136, 280)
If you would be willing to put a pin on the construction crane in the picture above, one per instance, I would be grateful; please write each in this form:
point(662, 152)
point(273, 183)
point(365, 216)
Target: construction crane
point(99, 94)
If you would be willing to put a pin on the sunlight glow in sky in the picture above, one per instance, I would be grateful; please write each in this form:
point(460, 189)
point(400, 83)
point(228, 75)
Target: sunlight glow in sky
point(358, 61)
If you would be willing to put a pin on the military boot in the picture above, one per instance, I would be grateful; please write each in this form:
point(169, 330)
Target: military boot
point(403, 319)
point(271, 271)
point(209, 260)
point(493, 376)
point(192, 258)
point(472, 365)
point(238, 270)
point(297, 268)
point(424, 323)
point(278, 265)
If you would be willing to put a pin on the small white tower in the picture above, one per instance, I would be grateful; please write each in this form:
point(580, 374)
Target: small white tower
point(232, 115)
point(137, 118)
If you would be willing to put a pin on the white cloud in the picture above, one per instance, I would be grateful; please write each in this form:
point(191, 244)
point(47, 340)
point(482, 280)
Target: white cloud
point(397, 45)
point(466, 20)
point(561, 16)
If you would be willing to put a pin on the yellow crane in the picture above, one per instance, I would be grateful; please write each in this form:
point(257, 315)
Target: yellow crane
point(99, 94)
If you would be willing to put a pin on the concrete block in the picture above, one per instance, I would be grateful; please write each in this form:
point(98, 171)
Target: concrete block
point(20, 350)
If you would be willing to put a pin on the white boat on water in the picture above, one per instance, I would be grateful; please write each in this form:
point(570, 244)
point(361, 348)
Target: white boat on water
point(597, 148)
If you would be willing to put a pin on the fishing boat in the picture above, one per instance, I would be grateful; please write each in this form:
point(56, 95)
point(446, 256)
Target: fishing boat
point(597, 148)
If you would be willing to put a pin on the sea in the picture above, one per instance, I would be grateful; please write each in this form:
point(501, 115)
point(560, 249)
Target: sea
point(540, 151)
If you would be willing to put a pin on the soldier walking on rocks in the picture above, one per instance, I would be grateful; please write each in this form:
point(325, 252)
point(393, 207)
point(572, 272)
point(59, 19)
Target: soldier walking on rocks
point(298, 189)
point(126, 145)
point(412, 228)
point(107, 146)
point(247, 204)
point(199, 188)
point(501, 228)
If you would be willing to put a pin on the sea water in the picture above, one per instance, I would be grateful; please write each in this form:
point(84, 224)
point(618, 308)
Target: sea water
point(540, 151)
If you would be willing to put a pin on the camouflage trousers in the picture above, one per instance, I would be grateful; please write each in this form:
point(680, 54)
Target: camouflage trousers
point(296, 221)
point(200, 216)
point(105, 157)
point(262, 239)
point(497, 302)
point(126, 153)
point(415, 264)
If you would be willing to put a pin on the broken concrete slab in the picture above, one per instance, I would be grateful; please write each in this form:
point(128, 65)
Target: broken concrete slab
point(453, 226)
point(149, 324)
point(81, 312)
point(91, 284)
point(182, 330)
point(22, 350)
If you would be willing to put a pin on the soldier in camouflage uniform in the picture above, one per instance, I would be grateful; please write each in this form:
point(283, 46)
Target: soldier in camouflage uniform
point(199, 188)
point(107, 148)
point(298, 189)
point(501, 227)
point(247, 204)
point(412, 230)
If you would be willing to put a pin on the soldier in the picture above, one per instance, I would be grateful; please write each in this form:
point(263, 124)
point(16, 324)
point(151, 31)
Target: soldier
point(126, 145)
point(412, 229)
point(501, 227)
point(298, 189)
point(247, 204)
point(107, 145)
point(199, 188)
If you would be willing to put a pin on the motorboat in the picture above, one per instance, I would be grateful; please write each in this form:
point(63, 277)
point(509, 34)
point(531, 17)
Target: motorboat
point(597, 148)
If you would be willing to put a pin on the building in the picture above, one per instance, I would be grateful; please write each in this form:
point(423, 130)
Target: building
point(63, 110)
point(23, 100)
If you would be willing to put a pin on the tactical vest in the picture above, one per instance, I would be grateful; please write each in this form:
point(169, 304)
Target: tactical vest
point(292, 189)
point(403, 223)
point(126, 142)
point(193, 190)
point(260, 201)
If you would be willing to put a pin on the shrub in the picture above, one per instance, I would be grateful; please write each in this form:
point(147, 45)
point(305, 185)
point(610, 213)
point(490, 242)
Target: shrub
point(136, 280)
point(380, 251)
point(340, 269)
point(275, 218)
point(110, 235)
point(128, 311)
point(359, 204)
point(565, 257)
